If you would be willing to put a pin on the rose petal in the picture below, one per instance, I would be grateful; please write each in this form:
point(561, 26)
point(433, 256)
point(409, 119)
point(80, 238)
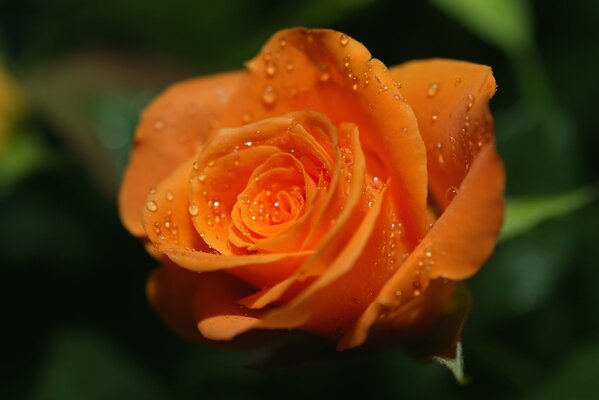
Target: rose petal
point(171, 291)
point(322, 78)
point(345, 197)
point(457, 245)
point(215, 306)
point(165, 215)
point(171, 129)
point(223, 169)
point(450, 99)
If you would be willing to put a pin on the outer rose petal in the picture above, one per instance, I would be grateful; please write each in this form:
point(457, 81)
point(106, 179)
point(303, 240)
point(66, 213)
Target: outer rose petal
point(171, 129)
point(215, 306)
point(171, 291)
point(456, 246)
point(450, 100)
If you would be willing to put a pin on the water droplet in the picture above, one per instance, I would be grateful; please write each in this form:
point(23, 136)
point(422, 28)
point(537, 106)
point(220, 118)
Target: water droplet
point(416, 285)
point(470, 101)
point(152, 206)
point(282, 43)
point(346, 61)
point(196, 165)
point(344, 40)
point(385, 88)
point(193, 209)
point(152, 190)
point(355, 87)
point(216, 204)
point(404, 131)
point(432, 90)
point(269, 96)
point(398, 293)
point(451, 192)
point(248, 143)
point(170, 196)
point(246, 118)
point(159, 125)
point(289, 66)
point(271, 69)
point(201, 176)
point(434, 117)
point(325, 76)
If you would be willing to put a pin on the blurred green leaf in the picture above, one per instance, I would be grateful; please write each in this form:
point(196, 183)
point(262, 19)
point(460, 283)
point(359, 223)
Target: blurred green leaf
point(505, 23)
point(85, 366)
point(578, 377)
point(525, 213)
point(93, 100)
point(24, 154)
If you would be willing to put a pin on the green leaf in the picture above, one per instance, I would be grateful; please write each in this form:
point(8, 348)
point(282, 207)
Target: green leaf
point(578, 377)
point(455, 365)
point(85, 366)
point(524, 214)
point(24, 154)
point(505, 23)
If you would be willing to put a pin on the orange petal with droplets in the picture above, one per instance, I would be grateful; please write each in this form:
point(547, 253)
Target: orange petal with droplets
point(451, 101)
point(323, 78)
point(215, 306)
point(171, 129)
point(348, 189)
point(455, 248)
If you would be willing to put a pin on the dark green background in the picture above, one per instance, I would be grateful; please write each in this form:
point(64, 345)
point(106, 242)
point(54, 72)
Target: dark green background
point(75, 321)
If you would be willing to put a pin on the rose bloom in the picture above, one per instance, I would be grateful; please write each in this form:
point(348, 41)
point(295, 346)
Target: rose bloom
point(316, 189)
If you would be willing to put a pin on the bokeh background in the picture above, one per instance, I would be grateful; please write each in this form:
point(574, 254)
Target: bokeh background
point(74, 76)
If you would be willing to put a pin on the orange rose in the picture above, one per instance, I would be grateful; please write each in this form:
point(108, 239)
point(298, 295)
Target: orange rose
point(316, 189)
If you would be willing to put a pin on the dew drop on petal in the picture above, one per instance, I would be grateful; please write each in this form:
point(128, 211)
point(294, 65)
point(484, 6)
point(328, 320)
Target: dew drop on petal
point(246, 118)
point(450, 193)
point(159, 125)
point(152, 206)
point(269, 96)
point(193, 210)
point(270, 69)
point(470, 101)
point(432, 90)
point(170, 196)
point(344, 40)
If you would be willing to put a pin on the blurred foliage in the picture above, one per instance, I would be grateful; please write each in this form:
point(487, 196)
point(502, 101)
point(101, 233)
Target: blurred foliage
point(74, 77)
